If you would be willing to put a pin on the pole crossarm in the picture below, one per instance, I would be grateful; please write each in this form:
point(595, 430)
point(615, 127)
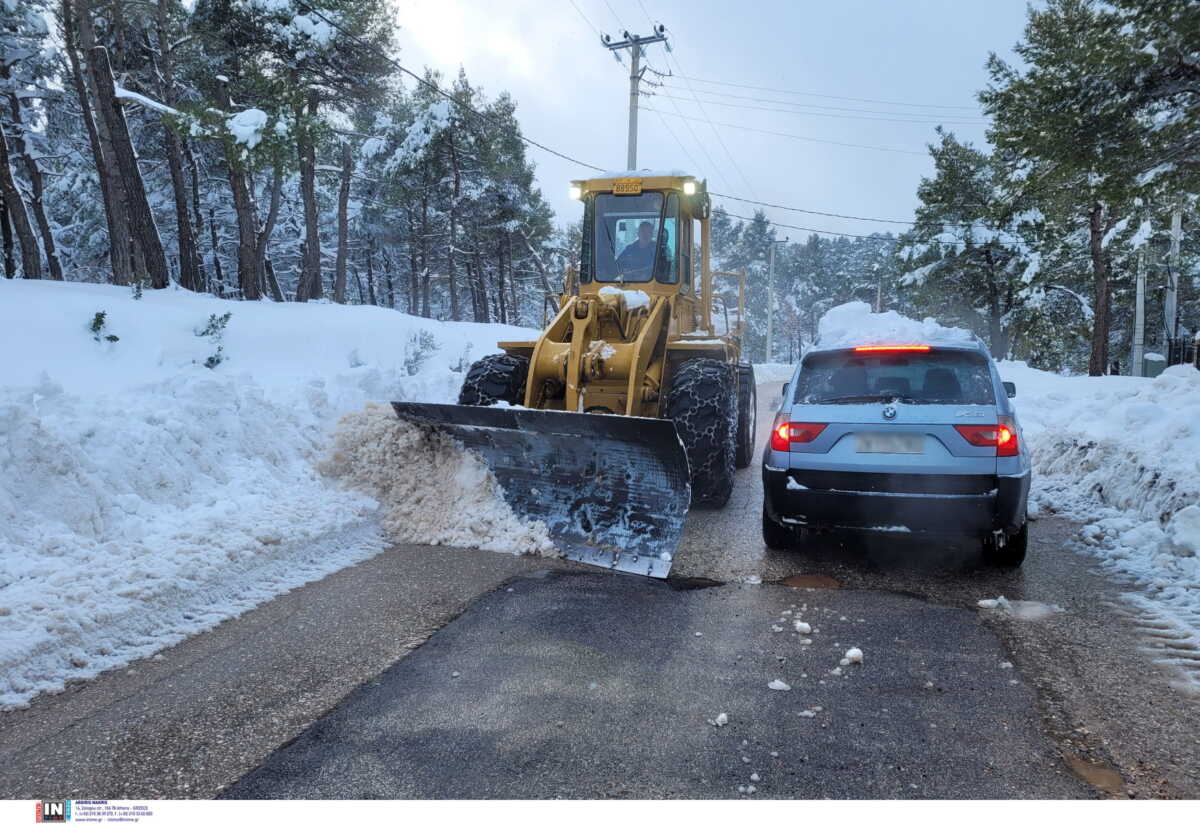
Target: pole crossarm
point(636, 44)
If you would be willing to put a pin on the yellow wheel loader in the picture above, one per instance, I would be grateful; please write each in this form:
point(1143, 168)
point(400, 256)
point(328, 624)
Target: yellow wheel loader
point(633, 402)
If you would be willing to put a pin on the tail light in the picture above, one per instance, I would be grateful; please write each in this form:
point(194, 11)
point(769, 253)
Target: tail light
point(1002, 435)
point(785, 433)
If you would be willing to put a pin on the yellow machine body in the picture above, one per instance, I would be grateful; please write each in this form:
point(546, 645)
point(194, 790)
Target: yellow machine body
point(613, 344)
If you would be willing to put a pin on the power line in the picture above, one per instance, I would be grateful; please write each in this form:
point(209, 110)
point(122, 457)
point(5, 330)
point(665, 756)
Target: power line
point(493, 120)
point(751, 98)
point(929, 122)
point(585, 18)
point(716, 133)
point(815, 212)
point(801, 137)
point(829, 96)
point(669, 56)
point(876, 237)
point(671, 132)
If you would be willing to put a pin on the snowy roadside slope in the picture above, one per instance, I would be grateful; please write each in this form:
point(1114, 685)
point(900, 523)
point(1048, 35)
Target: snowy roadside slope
point(1122, 455)
point(144, 497)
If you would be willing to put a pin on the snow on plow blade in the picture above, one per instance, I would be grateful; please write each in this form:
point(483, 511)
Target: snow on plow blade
point(612, 490)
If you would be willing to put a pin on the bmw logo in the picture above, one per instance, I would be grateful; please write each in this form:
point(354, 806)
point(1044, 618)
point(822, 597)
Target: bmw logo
point(889, 412)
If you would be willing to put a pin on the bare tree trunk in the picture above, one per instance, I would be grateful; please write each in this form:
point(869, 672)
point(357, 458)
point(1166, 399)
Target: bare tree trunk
point(481, 287)
point(219, 284)
point(358, 283)
point(543, 275)
point(194, 172)
point(247, 217)
point(387, 273)
point(31, 255)
point(997, 343)
point(514, 312)
point(1098, 360)
point(37, 189)
point(371, 271)
point(272, 281)
point(414, 287)
point(77, 28)
point(262, 240)
point(6, 235)
point(310, 285)
point(425, 310)
point(243, 206)
point(343, 227)
point(189, 256)
point(454, 195)
point(141, 219)
point(500, 282)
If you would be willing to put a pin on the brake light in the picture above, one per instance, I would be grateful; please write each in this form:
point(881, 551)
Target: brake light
point(1002, 435)
point(787, 433)
point(913, 347)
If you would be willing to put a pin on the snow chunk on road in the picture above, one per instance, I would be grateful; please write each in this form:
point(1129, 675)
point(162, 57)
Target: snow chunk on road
point(433, 490)
point(802, 627)
point(779, 685)
point(854, 655)
point(720, 721)
point(1021, 610)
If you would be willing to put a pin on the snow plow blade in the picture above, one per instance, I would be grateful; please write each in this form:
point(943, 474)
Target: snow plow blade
point(613, 491)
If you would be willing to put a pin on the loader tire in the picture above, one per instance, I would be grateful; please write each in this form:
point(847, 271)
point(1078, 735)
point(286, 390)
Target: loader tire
point(747, 416)
point(702, 402)
point(493, 379)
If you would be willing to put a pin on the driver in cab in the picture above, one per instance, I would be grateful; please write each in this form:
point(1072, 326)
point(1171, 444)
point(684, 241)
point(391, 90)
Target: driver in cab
point(637, 259)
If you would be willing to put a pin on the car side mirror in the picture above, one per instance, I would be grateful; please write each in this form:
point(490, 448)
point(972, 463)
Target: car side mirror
point(1010, 388)
point(784, 392)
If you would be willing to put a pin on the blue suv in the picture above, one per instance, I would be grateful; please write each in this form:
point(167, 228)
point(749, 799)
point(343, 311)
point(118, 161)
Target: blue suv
point(908, 438)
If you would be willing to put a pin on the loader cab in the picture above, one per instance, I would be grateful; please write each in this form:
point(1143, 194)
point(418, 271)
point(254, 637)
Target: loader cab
point(642, 233)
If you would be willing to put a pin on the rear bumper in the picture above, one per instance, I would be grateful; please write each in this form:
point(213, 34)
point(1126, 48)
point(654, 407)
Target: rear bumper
point(977, 506)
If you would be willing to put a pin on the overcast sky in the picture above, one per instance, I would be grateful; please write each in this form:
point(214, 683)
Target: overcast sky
point(916, 60)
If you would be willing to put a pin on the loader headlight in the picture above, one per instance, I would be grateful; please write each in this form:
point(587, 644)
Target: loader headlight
point(575, 192)
point(689, 187)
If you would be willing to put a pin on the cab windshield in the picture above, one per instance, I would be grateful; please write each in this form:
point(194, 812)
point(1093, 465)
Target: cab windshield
point(634, 238)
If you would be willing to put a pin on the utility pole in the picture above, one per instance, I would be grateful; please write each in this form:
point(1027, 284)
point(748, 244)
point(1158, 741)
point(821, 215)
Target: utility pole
point(1170, 310)
point(635, 43)
point(771, 299)
point(1139, 317)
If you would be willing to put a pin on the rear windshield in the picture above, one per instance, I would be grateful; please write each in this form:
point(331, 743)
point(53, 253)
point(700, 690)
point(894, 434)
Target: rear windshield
point(936, 376)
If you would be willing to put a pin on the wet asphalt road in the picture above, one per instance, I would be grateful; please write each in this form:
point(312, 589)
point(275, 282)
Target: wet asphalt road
point(602, 686)
point(1080, 701)
point(1088, 701)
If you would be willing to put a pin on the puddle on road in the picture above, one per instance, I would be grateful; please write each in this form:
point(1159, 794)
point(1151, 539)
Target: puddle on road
point(811, 582)
point(1102, 778)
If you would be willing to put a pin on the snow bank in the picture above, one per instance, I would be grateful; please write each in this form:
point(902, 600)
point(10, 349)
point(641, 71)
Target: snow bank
point(854, 324)
point(1122, 454)
point(145, 497)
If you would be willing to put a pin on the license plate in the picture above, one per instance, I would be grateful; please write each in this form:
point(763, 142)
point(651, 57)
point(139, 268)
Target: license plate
point(627, 186)
point(878, 442)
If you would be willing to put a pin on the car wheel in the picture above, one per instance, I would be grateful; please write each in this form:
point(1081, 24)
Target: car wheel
point(493, 379)
point(777, 535)
point(1012, 554)
point(747, 416)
